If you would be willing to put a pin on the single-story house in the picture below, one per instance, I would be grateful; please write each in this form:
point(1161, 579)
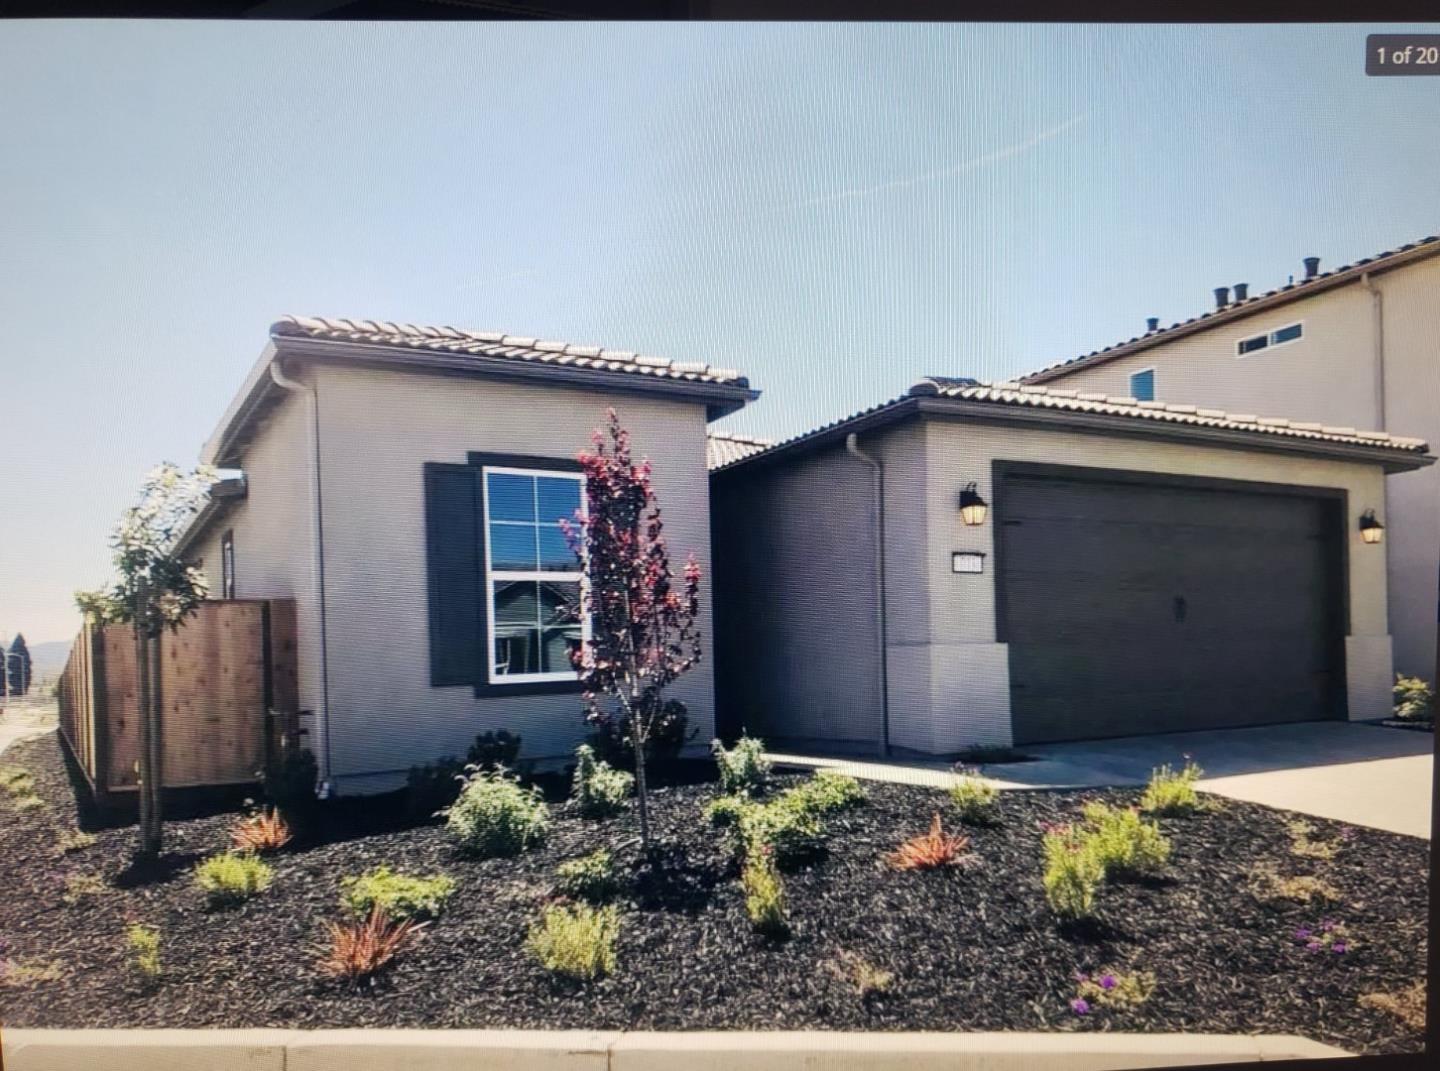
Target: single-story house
point(402, 484)
point(975, 564)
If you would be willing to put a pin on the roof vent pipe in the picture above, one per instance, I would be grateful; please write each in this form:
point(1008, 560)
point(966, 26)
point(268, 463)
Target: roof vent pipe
point(1242, 291)
point(1152, 324)
point(1312, 267)
point(1222, 296)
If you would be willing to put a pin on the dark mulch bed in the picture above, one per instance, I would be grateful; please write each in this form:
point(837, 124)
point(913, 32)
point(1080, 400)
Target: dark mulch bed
point(970, 949)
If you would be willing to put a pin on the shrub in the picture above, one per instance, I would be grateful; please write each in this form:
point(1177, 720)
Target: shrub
point(361, 949)
point(599, 790)
point(24, 972)
point(764, 894)
point(16, 780)
point(784, 825)
point(494, 751)
point(1408, 1005)
point(669, 733)
point(974, 798)
point(232, 877)
point(867, 978)
point(396, 896)
point(576, 942)
point(261, 832)
point(289, 781)
point(144, 945)
point(929, 850)
point(73, 840)
point(433, 787)
point(1124, 844)
point(724, 811)
point(1329, 936)
point(828, 791)
point(1111, 989)
point(1414, 699)
point(27, 802)
point(1172, 794)
point(1269, 886)
point(591, 877)
point(1302, 844)
point(1072, 873)
point(744, 768)
point(495, 816)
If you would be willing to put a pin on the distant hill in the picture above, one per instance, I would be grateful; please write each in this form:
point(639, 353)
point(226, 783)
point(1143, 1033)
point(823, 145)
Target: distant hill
point(48, 659)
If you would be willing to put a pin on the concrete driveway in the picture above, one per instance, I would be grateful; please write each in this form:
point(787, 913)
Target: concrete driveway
point(1350, 772)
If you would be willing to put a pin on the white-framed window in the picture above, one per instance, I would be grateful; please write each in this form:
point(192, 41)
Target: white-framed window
point(532, 578)
point(1142, 385)
point(227, 565)
point(1270, 339)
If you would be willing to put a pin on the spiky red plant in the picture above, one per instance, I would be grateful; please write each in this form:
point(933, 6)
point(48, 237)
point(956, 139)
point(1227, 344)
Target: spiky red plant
point(929, 850)
point(264, 831)
point(359, 950)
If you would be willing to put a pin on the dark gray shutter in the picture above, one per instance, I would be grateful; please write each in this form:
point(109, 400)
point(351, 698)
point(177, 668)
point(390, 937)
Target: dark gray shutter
point(452, 538)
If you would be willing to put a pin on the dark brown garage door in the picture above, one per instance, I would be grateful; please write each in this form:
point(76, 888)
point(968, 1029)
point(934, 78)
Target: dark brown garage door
point(1137, 607)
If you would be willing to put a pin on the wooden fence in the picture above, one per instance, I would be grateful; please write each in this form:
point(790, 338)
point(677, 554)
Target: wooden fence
point(227, 685)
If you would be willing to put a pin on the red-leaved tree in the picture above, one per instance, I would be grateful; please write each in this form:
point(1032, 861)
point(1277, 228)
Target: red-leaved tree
point(643, 621)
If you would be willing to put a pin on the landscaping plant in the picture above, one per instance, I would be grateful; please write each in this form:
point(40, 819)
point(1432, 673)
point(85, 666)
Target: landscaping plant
point(827, 792)
point(1303, 844)
point(1269, 886)
point(764, 893)
point(262, 832)
point(498, 750)
point(73, 840)
point(591, 877)
point(868, 979)
point(1408, 1005)
point(495, 816)
point(1111, 989)
point(974, 798)
point(1329, 936)
point(396, 896)
point(929, 850)
point(598, 789)
point(784, 824)
point(1172, 794)
point(744, 769)
point(669, 733)
point(1414, 699)
point(643, 625)
point(576, 942)
point(433, 787)
point(1125, 844)
point(232, 877)
point(1073, 872)
point(144, 945)
point(360, 949)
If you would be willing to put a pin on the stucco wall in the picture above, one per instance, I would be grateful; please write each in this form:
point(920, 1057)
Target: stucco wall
point(1331, 376)
point(378, 429)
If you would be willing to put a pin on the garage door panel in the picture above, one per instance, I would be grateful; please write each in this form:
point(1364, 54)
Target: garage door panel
point(1131, 607)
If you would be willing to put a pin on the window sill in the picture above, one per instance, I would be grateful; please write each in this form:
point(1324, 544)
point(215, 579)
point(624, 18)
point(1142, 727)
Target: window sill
point(569, 687)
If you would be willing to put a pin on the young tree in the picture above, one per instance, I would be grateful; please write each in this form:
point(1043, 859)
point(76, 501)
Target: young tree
point(643, 624)
point(18, 665)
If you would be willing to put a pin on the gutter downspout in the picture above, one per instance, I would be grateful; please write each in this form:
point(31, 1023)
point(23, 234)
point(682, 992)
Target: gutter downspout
point(317, 542)
point(852, 447)
point(1378, 342)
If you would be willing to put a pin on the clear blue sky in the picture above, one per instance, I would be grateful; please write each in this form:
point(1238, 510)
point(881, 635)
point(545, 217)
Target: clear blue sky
point(836, 210)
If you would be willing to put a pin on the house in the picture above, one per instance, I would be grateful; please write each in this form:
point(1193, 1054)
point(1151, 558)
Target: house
point(1356, 346)
point(402, 485)
point(974, 564)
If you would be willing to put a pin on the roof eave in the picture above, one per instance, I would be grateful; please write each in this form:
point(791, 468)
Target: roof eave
point(224, 494)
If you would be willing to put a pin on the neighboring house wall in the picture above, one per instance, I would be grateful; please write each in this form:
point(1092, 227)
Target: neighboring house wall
point(1331, 376)
point(377, 431)
point(272, 530)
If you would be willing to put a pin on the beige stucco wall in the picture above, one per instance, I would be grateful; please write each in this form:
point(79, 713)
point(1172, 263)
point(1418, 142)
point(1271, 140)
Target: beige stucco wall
point(1331, 376)
point(378, 429)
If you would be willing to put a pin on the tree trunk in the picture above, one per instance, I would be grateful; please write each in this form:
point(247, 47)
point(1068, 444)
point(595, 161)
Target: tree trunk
point(641, 791)
point(147, 686)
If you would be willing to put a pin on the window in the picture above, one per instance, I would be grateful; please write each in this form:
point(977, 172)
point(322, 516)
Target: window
point(227, 565)
point(532, 577)
point(1142, 385)
point(1278, 337)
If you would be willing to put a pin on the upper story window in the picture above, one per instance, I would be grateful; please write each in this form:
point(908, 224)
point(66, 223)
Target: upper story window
point(1278, 337)
point(227, 565)
point(532, 577)
point(1142, 385)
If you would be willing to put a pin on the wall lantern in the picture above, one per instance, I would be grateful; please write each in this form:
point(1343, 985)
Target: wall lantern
point(1371, 530)
point(972, 507)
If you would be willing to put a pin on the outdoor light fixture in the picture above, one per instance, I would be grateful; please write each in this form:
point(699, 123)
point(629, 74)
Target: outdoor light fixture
point(1371, 530)
point(972, 507)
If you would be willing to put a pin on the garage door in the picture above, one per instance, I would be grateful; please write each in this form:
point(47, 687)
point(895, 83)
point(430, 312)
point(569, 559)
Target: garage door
point(1135, 607)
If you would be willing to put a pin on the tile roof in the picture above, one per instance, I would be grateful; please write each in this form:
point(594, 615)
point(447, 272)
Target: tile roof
point(723, 447)
point(494, 344)
point(1293, 291)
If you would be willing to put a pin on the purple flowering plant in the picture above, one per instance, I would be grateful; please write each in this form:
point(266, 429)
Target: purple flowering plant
point(1329, 936)
point(1111, 989)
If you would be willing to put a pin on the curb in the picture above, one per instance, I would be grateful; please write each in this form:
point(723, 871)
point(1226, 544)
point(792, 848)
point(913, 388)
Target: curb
point(580, 1050)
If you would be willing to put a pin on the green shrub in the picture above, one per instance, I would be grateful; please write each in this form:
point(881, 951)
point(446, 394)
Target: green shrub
point(744, 768)
point(1072, 873)
point(576, 942)
point(1172, 794)
point(599, 790)
point(144, 944)
point(784, 825)
point(1124, 844)
point(591, 877)
point(398, 896)
point(974, 798)
point(289, 781)
point(73, 840)
point(724, 811)
point(494, 751)
point(764, 894)
point(433, 787)
point(17, 781)
point(1112, 989)
point(1414, 699)
point(828, 791)
point(232, 877)
point(495, 816)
